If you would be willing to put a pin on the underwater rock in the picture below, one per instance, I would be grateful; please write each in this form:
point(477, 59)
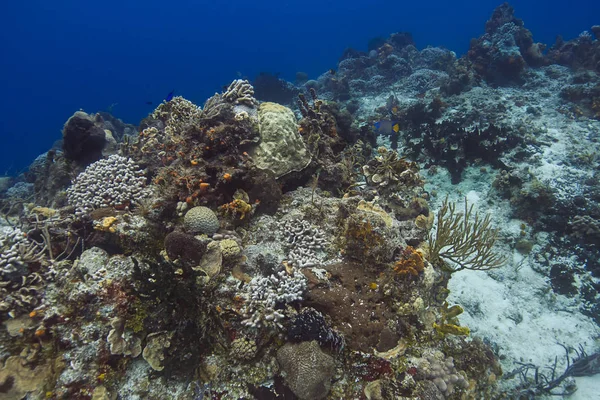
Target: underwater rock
point(270, 87)
point(5, 183)
point(503, 53)
point(20, 190)
point(308, 371)
point(281, 149)
point(581, 52)
point(101, 393)
point(264, 258)
point(200, 220)
point(51, 174)
point(111, 147)
point(96, 265)
point(83, 141)
point(116, 126)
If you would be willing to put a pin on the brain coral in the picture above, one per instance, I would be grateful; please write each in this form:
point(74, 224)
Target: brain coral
point(201, 220)
point(308, 370)
point(281, 148)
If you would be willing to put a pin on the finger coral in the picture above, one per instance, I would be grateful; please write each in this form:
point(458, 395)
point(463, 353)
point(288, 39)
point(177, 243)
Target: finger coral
point(112, 182)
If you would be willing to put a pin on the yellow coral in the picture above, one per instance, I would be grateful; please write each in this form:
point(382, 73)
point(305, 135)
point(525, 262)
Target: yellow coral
point(237, 206)
point(449, 324)
point(107, 225)
point(452, 329)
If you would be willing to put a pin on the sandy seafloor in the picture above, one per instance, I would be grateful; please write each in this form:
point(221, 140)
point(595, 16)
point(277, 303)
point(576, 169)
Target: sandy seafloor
point(492, 298)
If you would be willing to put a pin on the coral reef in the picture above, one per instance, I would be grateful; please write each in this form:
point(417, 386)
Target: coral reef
point(502, 54)
point(240, 92)
point(309, 325)
point(277, 242)
point(463, 240)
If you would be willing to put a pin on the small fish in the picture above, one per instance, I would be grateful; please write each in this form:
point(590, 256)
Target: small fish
point(149, 103)
point(170, 96)
point(386, 127)
point(394, 110)
point(332, 71)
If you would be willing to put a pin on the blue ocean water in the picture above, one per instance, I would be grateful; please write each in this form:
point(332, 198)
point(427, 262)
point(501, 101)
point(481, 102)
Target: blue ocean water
point(59, 57)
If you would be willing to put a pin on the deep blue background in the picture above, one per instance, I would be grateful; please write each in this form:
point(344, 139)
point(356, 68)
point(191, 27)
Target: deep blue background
point(61, 56)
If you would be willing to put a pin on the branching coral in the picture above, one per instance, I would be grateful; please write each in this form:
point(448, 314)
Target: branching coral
point(113, 182)
point(19, 287)
point(308, 111)
point(240, 91)
point(305, 242)
point(463, 240)
point(265, 295)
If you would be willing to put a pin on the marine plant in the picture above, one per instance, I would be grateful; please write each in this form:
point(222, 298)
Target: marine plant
point(463, 240)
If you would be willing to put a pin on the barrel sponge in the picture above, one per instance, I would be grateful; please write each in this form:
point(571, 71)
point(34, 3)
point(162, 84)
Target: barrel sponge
point(201, 220)
point(281, 149)
point(308, 370)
